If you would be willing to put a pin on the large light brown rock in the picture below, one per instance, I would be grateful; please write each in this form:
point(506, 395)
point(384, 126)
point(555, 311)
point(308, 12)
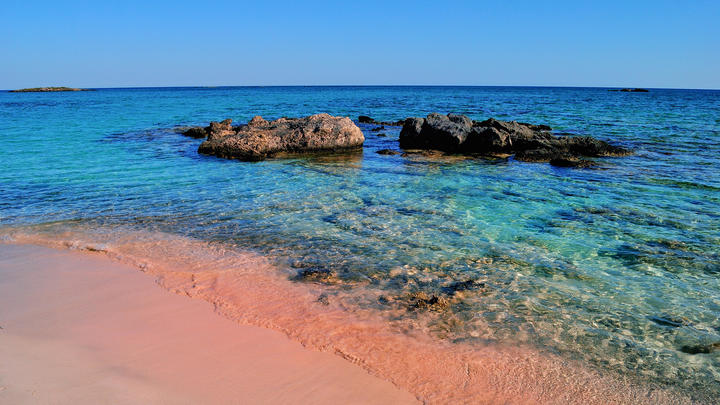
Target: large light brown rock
point(260, 139)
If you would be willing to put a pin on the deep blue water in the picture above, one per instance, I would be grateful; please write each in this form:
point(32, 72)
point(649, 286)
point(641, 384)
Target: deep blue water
point(618, 266)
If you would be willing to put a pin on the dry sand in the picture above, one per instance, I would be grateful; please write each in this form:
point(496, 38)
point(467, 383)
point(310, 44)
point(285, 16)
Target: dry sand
point(81, 329)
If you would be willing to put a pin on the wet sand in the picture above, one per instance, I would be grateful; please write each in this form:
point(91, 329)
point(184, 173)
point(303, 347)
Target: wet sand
point(82, 329)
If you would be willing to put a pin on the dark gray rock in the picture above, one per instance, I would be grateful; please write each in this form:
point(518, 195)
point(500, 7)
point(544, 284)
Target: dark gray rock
point(364, 119)
point(532, 143)
point(195, 132)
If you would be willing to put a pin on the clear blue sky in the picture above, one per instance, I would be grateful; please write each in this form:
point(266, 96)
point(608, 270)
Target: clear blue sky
point(184, 43)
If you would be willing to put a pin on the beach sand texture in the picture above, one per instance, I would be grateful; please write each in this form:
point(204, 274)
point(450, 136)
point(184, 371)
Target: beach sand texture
point(79, 329)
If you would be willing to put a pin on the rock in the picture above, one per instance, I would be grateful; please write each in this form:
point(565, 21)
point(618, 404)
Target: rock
point(317, 275)
point(458, 286)
point(571, 162)
point(218, 130)
point(195, 132)
point(215, 130)
point(323, 299)
point(673, 322)
point(260, 139)
point(364, 119)
point(425, 153)
point(631, 90)
point(421, 300)
point(387, 152)
point(701, 349)
point(381, 135)
point(378, 129)
point(458, 134)
point(537, 155)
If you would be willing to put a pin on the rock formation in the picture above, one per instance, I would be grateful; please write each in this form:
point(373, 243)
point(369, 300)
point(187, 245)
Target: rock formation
point(533, 143)
point(260, 139)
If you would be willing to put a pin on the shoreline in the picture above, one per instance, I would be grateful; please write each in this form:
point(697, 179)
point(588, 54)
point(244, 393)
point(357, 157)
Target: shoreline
point(246, 289)
point(78, 328)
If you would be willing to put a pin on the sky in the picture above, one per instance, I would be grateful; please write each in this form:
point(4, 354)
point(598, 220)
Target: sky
point(656, 44)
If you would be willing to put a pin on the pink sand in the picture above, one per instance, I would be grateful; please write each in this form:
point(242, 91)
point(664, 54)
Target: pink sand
point(78, 329)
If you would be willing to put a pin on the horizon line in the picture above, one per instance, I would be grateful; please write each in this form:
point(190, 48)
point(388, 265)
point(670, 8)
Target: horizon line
point(365, 85)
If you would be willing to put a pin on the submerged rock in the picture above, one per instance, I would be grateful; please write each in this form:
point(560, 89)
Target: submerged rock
point(421, 300)
point(317, 275)
point(701, 349)
point(571, 162)
point(260, 139)
point(195, 132)
point(459, 286)
point(459, 134)
point(673, 322)
point(387, 152)
point(364, 119)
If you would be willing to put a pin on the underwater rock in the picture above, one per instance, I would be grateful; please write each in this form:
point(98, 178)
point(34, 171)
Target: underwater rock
point(459, 134)
point(701, 349)
point(195, 132)
point(387, 152)
point(426, 153)
point(260, 139)
point(364, 119)
point(571, 162)
point(421, 300)
point(378, 129)
point(323, 299)
point(670, 321)
point(317, 275)
point(458, 286)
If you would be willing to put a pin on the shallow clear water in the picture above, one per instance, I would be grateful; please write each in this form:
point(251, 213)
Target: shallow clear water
point(617, 266)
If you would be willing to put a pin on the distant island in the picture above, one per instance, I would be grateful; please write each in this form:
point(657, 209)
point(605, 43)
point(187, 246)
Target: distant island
point(46, 89)
point(632, 90)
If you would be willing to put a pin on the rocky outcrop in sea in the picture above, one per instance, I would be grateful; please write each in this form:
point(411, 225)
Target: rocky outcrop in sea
point(261, 139)
point(458, 134)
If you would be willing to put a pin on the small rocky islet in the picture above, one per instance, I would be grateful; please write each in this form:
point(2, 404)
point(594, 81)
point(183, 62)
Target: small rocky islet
point(631, 90)
point(434, 135)
point(46, 90)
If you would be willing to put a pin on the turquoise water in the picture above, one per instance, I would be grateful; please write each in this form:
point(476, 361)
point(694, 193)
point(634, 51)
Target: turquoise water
point(617, 266)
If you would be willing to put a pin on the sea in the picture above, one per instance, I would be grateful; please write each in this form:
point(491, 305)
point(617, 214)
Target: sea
point(446, 275)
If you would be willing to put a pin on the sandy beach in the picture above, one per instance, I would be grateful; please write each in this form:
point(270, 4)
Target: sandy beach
point(81, 329)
